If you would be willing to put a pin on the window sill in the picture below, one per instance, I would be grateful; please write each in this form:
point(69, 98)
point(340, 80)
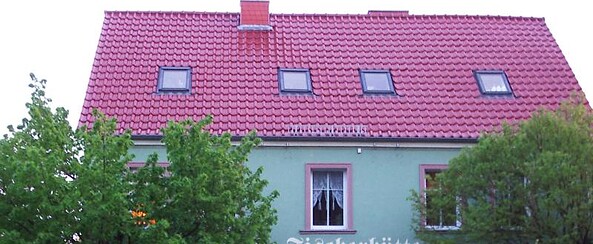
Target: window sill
point(441, 228)
point(327, 232)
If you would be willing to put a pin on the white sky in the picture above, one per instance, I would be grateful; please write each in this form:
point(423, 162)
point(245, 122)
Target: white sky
point(57, 39)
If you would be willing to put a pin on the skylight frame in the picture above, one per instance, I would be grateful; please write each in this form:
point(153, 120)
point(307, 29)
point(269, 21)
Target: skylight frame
point(184, 89)
point(365, 87)
point(282, 85)
point(504, 79)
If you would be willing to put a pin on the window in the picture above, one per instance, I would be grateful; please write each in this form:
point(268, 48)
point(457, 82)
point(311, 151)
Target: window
point(135, 166)
point(493, 82)
point(438, 216)
point(328, 198)
point(376, 81)
point(174, 79)
point(294, 80)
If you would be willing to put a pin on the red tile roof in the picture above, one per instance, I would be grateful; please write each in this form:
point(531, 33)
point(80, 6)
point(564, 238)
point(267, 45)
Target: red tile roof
point(234, 73)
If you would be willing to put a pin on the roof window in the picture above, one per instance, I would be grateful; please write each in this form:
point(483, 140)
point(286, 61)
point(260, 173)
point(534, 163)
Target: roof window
point(493, 82)
point(294, 80)
point(174, 79)
point(376, 82)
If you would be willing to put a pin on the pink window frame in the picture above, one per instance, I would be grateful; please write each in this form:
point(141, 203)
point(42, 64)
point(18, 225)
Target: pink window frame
point(422, 179)
point(309, 168)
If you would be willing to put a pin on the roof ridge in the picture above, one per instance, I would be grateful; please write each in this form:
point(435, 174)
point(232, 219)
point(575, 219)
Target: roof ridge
point(409, 15)
point(165, 12)
point(421, 16)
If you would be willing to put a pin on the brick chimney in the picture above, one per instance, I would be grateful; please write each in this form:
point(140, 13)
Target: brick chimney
point(255, 15)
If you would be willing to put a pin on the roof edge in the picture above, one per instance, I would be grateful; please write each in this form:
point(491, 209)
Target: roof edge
point(368, 139)
point(334, 139)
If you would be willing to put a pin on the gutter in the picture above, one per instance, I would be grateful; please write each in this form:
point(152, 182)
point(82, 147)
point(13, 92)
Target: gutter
point(155, 140)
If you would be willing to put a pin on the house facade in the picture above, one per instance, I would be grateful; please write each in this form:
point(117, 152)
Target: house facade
point(354, 110)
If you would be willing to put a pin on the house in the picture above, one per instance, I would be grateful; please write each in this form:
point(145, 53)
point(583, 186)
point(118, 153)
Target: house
point(355, 110)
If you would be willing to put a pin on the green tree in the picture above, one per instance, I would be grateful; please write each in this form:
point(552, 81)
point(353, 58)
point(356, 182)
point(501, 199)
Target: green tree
point(209, 196)
point(59, 185)
point(101, 184)
point(35, 164)
point(528, 183)
point(49, 193)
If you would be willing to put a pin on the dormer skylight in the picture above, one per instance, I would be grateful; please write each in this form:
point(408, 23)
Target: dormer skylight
point(174, 79)
point(294, 80)
point(493, 82)
point(376, 82)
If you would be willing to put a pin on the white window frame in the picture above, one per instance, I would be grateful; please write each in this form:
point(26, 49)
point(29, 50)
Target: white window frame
point(345, 204)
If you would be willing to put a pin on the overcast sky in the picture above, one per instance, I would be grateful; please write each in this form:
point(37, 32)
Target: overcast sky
point(57, 39)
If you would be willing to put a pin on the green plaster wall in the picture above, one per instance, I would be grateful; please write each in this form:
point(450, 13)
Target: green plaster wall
point(382, 180)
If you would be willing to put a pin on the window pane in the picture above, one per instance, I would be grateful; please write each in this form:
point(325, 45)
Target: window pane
point(336, 212)
point(377, 81)
point(174, 79)
point(319, 181)
point(438, 213)
point(432, 212)
point(493, 83)
point(320, 210)
point(449, 217)
point(295, 80)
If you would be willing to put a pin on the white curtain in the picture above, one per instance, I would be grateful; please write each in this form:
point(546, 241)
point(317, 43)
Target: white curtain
point(336, 186)
point(319, 185)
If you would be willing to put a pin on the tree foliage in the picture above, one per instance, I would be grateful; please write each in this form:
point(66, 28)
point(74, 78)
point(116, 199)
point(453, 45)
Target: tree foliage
point(101, 184)
point(525, 184)
point(210, 196)
point(59, 185)
point(34, 164)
